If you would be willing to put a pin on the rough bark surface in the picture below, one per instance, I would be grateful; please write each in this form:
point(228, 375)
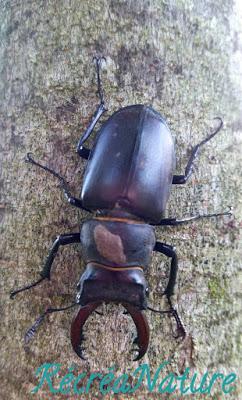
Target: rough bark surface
point(179, 56)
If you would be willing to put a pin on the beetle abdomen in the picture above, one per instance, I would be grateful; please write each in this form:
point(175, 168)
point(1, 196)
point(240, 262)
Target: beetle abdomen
point(131, 164)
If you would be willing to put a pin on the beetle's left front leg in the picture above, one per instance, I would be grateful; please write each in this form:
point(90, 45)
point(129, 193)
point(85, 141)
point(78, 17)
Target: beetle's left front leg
point(169, 251)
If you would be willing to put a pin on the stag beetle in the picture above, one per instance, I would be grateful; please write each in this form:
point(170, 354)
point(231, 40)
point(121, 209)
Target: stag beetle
point(127, 184)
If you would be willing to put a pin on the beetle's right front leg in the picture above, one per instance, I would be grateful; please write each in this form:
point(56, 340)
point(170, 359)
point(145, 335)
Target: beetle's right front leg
point(61, 240)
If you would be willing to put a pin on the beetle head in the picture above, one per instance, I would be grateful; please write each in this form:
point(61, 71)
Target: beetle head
point(127, 286)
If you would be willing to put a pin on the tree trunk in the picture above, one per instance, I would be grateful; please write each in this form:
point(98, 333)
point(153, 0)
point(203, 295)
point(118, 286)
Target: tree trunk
point(180, 57)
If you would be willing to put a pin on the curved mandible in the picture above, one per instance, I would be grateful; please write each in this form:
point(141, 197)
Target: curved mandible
point(143, 331)
point(77, 325)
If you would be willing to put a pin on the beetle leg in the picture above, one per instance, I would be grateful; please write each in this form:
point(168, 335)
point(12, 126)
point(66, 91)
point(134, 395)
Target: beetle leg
point(64, 185)
point(175, 221)
point(31, 331)
point(169, 251)
point(181, 179)
point(61, 240)
point(31, 285)
point(81, 150)
point(77, 326)
point(180, 328)
point(143, 332)
point(181, 332)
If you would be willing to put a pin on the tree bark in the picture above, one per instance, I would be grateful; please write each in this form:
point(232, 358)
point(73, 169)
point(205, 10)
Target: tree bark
point(181, 58)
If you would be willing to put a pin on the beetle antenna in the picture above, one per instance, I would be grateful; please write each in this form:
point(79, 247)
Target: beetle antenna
point(31, 331)
point(64, 184)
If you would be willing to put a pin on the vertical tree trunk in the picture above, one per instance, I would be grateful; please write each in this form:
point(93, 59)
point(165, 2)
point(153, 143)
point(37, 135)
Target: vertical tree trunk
point(175, 56)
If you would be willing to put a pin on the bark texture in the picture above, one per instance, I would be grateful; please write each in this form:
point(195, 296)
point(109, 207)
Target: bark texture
point(179, 56)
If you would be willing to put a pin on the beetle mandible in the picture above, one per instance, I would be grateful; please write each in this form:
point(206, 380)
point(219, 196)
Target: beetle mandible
point(127, 184)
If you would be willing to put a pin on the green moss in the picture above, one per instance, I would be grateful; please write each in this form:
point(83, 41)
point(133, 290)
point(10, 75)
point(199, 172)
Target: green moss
point(217, 290)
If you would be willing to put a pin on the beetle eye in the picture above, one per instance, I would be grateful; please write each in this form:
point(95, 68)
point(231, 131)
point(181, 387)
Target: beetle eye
point(147, 292)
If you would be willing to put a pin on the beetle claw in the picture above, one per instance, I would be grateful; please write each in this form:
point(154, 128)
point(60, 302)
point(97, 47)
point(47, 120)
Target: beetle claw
point(28, 158)
point(181, 333)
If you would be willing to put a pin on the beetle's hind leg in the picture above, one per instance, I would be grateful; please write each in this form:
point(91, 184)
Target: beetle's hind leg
point(61, 240)
point(169, 251)
point(181, 179)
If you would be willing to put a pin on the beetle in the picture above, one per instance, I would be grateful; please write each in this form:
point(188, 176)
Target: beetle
point(126, 185)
